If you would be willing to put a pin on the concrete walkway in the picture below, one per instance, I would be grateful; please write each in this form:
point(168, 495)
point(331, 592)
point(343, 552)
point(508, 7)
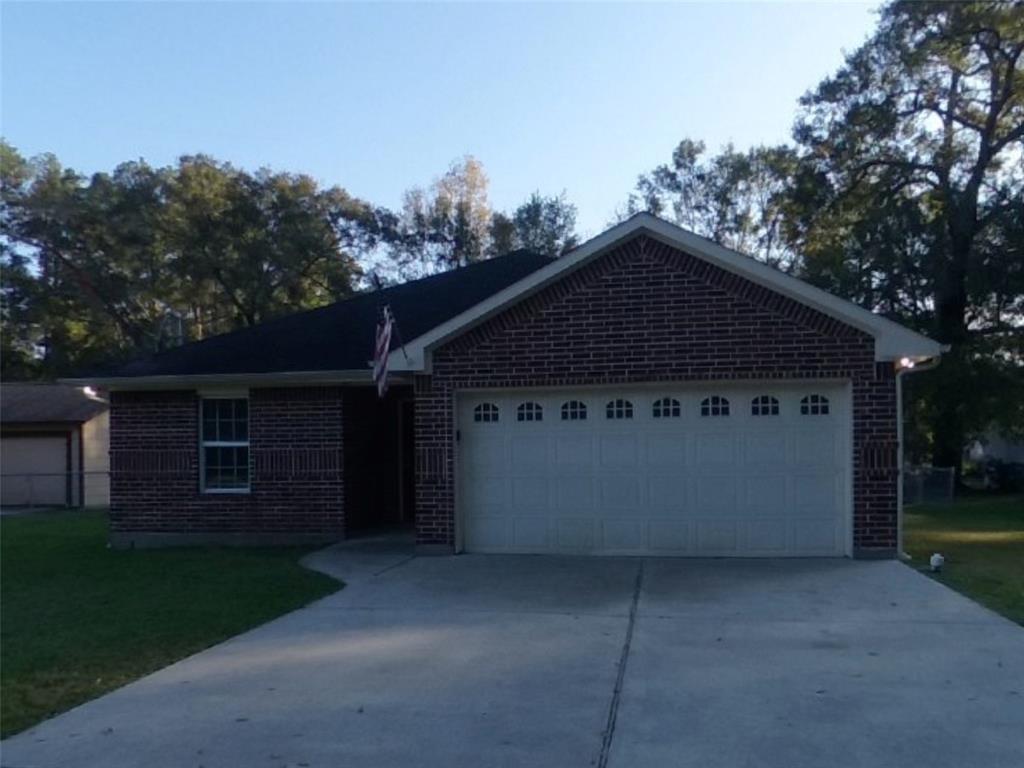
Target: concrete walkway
point(544, 661)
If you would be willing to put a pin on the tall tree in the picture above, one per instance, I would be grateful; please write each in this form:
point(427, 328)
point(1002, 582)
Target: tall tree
point(927, 117)
point(735, 198)
point(139, 259)
point(544, 225)
point(446, 225)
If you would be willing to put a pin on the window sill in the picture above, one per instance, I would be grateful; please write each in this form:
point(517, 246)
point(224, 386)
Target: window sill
point(225, 491)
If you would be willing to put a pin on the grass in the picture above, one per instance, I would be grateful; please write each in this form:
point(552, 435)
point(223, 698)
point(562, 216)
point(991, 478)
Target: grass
point(79, 619)
point(982, 540)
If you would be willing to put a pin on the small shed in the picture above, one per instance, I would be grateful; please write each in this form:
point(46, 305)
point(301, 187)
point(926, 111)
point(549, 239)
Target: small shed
point(54, 446)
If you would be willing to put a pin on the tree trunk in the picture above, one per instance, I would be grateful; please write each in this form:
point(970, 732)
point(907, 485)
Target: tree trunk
point(951, 328)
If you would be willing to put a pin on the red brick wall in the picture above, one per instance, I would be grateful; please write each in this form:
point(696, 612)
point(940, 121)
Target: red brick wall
point(295, 455)
point(647, 312)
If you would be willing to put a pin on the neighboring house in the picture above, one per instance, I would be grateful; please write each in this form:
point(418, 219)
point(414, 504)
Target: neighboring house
point(648, 392)
point(53, 446)
point(995, 446)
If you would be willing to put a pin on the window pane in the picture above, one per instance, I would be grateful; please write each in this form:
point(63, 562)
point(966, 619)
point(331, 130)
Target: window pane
point(209, 420)
point(226, 467)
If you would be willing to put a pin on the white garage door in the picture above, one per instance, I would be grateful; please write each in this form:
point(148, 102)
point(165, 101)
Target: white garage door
point(761, 470)
point(34, 470)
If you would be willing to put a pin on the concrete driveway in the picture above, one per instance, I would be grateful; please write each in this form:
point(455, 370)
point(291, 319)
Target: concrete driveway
point(541, 661)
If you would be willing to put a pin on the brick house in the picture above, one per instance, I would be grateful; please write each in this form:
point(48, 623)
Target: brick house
point(649, 392)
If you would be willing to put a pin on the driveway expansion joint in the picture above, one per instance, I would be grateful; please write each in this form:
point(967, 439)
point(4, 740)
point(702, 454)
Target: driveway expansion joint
point(613, 708)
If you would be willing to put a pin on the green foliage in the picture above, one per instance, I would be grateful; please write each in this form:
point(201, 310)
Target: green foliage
point(544, 225)
point(80, 619)
point(735, 198)
point(119, 264)
point(905, 194)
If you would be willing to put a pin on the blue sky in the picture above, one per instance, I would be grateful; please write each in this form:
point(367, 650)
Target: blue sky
point(381, 97)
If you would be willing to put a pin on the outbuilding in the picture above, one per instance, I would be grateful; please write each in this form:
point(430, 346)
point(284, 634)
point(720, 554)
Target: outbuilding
point(53, 446)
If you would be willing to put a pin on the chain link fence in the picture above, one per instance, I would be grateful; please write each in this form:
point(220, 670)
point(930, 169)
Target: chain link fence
point(54, 490)
point(928, 485)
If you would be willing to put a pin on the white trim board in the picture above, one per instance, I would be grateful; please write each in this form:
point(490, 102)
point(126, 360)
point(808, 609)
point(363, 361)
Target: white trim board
point(193, 381)
point(892, 340)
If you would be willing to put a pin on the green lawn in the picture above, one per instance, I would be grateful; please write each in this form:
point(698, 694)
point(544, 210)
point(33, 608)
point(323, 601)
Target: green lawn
point(983, 542)
point(79, 619)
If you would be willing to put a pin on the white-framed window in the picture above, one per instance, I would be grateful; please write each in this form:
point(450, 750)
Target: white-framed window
point(529, 411)
point(764, 405)
point(814, 405)
point(224, 444)
point(619, 409)
point(666, 408)
point(714, 406)
point(485, 412)
point(574, 410)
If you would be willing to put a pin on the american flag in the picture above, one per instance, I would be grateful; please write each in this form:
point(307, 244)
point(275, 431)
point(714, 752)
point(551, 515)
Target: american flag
point(380, 351)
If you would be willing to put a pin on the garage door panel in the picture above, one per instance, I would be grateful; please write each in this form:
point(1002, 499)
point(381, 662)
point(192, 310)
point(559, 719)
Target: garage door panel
point(666, 451)
point(763, 493)
point(486, 452)
point(666, 493)
point(42, 457)
point(576, 534)
point(622, 536)
point(768, 536)
point(766, 450)
point(530, 494)
point(489, 534)
point(815, 448)
point(716, 537)
point(531, 533)
point(814, 536)
point(716, 493)
point(668, 537)
point(619, 493)
point(715, 451)
point(618, 451)
point(574, 494)
point(486, 495)
point(574, 451)
point(814, 493)
point(529, 453)
point(737, 485)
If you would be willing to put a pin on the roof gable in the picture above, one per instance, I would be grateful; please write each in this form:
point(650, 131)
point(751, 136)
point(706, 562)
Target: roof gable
point(892, 340)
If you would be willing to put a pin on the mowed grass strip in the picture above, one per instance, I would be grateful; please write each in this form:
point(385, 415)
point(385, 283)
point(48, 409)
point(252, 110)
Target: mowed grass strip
point(78, 619)
point(982, 540)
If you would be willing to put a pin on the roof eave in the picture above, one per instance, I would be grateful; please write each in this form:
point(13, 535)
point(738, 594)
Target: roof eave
point(192, 381)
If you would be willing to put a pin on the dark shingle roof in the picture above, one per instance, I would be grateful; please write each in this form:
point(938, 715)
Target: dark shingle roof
point(340, 336)
point(38, 403)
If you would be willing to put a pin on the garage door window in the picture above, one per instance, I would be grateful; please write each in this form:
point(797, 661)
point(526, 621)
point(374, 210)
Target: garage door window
point(619, 409)
point(224, 453)
point(574, 410)
point(714, 406)
point(765, 405)
point(666, 408)
point(485, 412)
point(814, 405)
point(529, 412)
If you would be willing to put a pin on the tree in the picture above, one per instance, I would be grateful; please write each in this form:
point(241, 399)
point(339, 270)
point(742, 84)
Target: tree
point(542, 224)
point(735, 198)
point(140, 259)
point(446, 225)
point(924, 123)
